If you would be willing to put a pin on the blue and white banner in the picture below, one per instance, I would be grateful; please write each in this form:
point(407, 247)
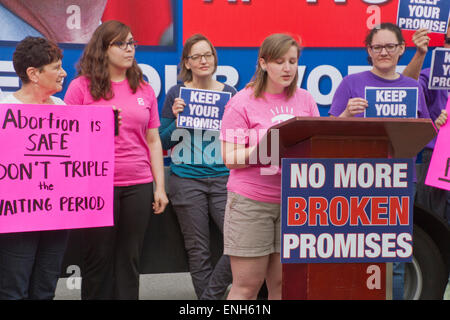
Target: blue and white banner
point(429, 14)
point(204, 109)
point(391, 102)
point(346, 210)
point(440, 69)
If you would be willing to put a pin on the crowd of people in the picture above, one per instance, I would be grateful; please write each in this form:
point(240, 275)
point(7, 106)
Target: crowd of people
point(230, 191)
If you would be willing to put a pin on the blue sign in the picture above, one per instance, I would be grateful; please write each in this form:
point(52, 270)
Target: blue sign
point(204, 109)
point(440, 69)
point(391, 102)
point(346, 210)
point(429, 14)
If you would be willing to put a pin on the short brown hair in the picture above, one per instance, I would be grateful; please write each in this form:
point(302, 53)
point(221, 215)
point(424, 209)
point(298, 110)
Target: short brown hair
point(34, 52)
point(186, 74)
point(272, 48)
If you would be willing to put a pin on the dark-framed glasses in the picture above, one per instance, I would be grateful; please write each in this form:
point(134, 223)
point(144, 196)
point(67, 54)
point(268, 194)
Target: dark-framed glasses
point(124, 45)
point(390, 47)
point(198, 57)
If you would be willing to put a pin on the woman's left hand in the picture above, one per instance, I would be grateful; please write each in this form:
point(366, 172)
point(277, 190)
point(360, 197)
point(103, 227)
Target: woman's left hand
point(161, 201)
point(441, 120)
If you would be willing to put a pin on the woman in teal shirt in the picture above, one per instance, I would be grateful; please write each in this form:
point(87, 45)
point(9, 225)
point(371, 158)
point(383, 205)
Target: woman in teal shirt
point(197, 184)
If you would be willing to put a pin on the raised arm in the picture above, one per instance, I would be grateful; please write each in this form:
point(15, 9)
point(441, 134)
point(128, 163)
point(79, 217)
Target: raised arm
point(421, 40)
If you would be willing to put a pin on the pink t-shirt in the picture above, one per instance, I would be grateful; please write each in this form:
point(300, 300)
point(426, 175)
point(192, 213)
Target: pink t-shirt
point(139, 113)
point(252, 115)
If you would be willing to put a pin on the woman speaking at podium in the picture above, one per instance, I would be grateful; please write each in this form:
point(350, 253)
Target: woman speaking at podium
point(252, 214)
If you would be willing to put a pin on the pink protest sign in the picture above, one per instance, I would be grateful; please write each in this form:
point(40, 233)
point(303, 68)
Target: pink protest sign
point(56, 167)
point(439, 171)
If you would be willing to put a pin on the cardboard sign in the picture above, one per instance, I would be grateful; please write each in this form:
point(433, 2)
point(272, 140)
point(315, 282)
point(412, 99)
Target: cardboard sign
point(56, 167)
point(346, 210)
point(440, 69)
point(429, 14)
point(391, 102)
point(204, 109)
point(438, 174)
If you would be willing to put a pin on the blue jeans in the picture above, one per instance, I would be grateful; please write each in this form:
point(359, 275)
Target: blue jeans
point(398, 278)
point(30, 264)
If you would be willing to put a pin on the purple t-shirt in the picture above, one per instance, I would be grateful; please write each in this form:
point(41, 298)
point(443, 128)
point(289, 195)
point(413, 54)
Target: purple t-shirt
point(436, 100)
point(354, 85)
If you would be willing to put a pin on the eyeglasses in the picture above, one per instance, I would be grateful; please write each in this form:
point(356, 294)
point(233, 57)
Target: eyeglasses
point(124, 45)
point(390, 47)
point(198, 57)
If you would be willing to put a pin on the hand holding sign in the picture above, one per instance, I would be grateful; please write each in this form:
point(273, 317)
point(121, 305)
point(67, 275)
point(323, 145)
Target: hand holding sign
point(355, 106)
point(178, 106)
point(441, 120)
point(421, 40)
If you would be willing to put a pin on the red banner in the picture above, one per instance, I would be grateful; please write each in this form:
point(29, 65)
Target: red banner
point(323, 23)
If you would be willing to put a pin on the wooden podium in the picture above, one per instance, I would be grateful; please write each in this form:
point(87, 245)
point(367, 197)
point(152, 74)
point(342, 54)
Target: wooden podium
point(305, 137)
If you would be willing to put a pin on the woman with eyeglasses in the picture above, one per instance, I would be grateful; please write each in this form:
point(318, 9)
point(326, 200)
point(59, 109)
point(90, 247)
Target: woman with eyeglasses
point(109, 75)
point(197, 184)
point(385, 45)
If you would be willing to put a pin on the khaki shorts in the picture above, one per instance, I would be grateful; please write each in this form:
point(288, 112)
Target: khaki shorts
point(251, 228)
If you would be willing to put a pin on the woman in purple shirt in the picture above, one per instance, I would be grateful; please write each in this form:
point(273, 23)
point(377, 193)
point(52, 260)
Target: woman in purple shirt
point(385, 45)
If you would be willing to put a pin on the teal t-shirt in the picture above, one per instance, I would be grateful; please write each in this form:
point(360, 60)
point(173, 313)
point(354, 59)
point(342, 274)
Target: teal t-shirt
point(195, 153)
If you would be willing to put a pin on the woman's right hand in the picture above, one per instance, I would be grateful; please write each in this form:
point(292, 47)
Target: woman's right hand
point(421, 40)
point(178, 106)
point(354, 106)
point(441, 120)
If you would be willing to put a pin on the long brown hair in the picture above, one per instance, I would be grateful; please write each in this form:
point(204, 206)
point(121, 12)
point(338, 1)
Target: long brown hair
point(272, 48)
point(94, 61)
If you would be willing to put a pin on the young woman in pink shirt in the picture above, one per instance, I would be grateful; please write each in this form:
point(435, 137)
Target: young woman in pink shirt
point(109, 75)
point(252, 214)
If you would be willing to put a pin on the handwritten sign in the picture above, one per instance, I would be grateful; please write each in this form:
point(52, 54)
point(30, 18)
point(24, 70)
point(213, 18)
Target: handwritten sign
point(440, 69)
point(346, 210)
point(56, 167)
point(429, 14)
point(204, 109)
point(391, 102)
point(438, 174)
